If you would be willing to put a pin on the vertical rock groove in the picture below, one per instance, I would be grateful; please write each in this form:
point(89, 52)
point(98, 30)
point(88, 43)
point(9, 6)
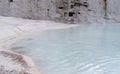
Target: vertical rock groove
point(105, 8)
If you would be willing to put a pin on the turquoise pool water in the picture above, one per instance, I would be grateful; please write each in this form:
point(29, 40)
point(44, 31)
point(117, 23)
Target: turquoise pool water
point(81, 50)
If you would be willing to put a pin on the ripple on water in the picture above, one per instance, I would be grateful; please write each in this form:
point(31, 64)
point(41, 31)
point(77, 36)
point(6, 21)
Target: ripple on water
point(87, 50)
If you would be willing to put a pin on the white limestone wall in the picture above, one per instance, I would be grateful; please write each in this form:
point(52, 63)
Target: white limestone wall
point(35, 9)
point(20, 8)
point(4, 7)
point(43, 9)
point(93, 13)
point(114, 10)
point(48, 10)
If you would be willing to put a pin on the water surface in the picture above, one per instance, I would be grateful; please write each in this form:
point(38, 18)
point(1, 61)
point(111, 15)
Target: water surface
point(81, 50)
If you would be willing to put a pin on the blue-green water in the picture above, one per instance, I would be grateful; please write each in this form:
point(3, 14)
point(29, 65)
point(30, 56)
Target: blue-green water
point(81, 50)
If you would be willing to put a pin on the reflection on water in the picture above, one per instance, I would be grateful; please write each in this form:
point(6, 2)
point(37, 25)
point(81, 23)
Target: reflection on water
point(82, 50)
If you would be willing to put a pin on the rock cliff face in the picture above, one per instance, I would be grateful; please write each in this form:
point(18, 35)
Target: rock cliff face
point(73, 11)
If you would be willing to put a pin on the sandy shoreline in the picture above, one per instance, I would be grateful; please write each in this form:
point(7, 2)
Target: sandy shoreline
point(14, 28)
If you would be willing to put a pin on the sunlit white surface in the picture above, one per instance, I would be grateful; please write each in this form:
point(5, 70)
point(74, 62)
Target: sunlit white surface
point(81, 50)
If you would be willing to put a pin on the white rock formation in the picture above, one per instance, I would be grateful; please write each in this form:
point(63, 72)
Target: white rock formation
point(62, 10)
point(13, 63)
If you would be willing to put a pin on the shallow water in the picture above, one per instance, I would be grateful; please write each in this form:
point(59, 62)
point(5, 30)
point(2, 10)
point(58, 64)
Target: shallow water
point(81, 50)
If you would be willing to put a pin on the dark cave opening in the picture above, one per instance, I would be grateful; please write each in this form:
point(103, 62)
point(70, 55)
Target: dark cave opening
point(10, 0)
point(71, 14)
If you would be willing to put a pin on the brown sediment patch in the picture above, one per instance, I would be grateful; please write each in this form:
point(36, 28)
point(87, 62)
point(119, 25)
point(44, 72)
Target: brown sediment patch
point(16, 48)
point(17, 59)
point(29, 39)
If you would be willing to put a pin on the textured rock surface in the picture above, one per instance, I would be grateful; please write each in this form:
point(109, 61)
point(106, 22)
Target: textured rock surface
point(62, 10)
point(13, 63)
